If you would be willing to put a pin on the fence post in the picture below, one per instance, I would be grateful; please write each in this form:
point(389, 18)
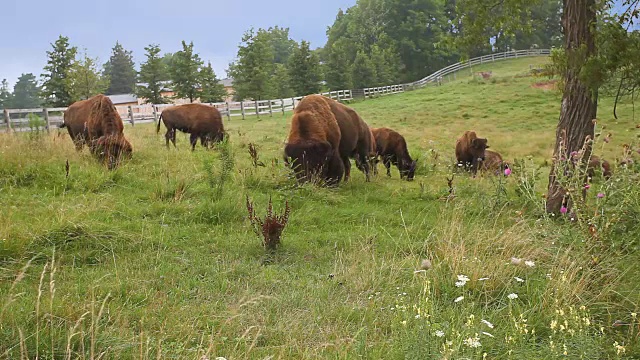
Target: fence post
point(46, 119)
point(493, 58)
point(7, 118)
point(293, 106)
point(242, 108)
point(131, 115)
point(155, 113)
point(228, 111)
point(282, 105)
point(257, 109)
point(270, 109)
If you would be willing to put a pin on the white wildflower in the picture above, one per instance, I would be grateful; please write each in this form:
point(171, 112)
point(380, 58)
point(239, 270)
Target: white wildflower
point(486, 333)
point(439, 333)
point(464, 278)
point(417, 316)
point(458, 299)
point(490, 325)
point(518, 279)
point(483, 279)
point(473, 342)
point(530, 263)
point(516, 261)
point(512, 296)
point(460, 283)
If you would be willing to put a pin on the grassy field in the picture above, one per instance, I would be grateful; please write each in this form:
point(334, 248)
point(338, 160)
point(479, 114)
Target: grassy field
point(158, 260)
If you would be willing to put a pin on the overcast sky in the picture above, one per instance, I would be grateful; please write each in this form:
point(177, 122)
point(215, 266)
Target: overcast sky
point(214, 26)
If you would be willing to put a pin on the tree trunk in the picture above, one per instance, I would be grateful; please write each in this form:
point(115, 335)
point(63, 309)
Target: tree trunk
point(579, 103)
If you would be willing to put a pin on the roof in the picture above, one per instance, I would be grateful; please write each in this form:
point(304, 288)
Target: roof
point(123, 98)
point(166, 84)
point(226, 82)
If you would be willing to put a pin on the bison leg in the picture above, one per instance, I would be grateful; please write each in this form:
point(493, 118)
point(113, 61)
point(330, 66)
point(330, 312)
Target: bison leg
point(204, 141)
point(334, 170)
point(194, 140)
point(347, 168)
point(171, 136)
point(364, 166)
point(387, 163)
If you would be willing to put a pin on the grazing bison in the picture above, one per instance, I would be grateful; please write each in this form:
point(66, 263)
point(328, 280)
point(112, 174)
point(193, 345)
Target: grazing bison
point(355, 138)
point(392, 147)
point(312, 147)
point(493, 162)
point(470, 151)
point(96, 122)
point(200, 120)
point(603, 165)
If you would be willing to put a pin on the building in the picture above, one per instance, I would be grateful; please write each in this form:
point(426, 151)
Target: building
point(169, 93)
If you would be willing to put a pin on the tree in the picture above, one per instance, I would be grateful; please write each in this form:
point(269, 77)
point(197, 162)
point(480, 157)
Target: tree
point(120, 71)
point(282, 45)
point(26, 93)
point(152, 73)
point(167, 59)
point(84, 79)
point(364, 72)
point(253, 69)
point(55, 89)
point(304, 71)
point(184, 72)
point(281, 82)
point(212, 89)
point(5, 94)
point(338, 66)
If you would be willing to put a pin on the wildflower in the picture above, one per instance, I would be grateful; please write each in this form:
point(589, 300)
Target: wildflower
point(516, 261)
point(563, 209)
point(507, 171)
point(439, 333)
point(574, 154)
point(486, 333)
point(634, 315)
point(472, 342)
point(460, 283)
point(518, 279)
point(463, 278)
point(512, 296)
point(587, 186)
point(483, 279)
point(417, 316)
point(490, 325)
point(620, 349)
point(530, 263)
point(458, 299)
point(600, 195)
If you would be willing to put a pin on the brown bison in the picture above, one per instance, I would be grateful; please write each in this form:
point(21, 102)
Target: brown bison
point(603, 165)
point(96, 122)
point(493, 162)
point(313, 144)
point(470, 151)
point(392, 147)
point(200, 120)
point(355, 138)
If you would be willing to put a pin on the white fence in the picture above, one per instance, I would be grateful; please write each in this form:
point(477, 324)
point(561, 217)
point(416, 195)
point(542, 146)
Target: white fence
point(48, 117)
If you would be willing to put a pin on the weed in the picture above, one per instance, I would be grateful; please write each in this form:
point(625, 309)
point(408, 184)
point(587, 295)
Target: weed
point(271, 227)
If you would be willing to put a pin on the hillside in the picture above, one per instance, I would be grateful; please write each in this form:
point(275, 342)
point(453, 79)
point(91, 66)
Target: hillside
point(157, 259)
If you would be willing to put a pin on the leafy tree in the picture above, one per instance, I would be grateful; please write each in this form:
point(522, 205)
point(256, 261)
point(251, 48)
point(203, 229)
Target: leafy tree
point(61, 58)
point(282, 45)
point(387, 65)
point(281, 82)
point(84, 79)
point(120, 71)
point(304, 71)
point(5, 94)
point(26, 93)
point(338, 66)
point(252, 71)
point(167, 58)
point(152, 73)
point(212, 89)
point(364, 71)
point(184, 72)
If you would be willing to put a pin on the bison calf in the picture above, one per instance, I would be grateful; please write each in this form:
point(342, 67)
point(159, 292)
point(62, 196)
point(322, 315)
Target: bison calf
point(201, 121)
point(470, 151)
point(493, 162)
point(392, 147)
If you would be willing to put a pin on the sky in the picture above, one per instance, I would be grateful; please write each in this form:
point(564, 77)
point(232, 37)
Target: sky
point(215, 27)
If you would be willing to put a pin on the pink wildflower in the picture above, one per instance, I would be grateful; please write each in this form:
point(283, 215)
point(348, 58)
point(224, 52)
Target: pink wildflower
point(563, 209)
point(600, 195)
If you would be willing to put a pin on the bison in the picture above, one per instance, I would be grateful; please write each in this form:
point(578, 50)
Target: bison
point(470, 151)
point(603, 165)
point(96, 122)
point(313, 145)
point(200, 120)
point(355, 138)
point(392, 147)
point(493, 162)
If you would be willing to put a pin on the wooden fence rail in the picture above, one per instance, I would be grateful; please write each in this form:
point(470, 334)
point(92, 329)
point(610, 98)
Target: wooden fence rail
point(43, 119)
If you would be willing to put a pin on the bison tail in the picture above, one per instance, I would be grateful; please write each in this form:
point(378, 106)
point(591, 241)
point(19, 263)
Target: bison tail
point(159, 121)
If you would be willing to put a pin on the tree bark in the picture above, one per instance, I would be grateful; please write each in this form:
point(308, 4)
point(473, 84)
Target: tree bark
point(579, 102)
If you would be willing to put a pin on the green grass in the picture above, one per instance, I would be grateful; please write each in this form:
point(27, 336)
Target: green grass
point(155, 260)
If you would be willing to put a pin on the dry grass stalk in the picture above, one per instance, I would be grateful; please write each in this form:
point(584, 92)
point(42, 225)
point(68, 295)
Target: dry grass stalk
point(271, 227)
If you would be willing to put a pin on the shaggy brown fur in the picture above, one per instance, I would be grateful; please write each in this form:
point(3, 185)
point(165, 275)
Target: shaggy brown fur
point(392, 147)
point(470, 150)
point(492, 162)
point(200, 120)
point(96, 122)
point(603, 165)
point(355, 141)
point(312, 147)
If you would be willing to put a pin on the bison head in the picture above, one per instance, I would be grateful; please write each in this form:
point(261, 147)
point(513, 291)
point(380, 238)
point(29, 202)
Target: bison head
point(478, 146)
point(309, 159)
point(110, 149)
point(408, 169)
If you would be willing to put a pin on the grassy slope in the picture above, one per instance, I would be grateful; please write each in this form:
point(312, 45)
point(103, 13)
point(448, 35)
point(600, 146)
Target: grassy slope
point(183, 274)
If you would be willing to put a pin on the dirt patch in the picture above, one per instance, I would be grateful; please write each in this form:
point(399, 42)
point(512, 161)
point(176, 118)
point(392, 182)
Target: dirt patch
point(546, 85)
